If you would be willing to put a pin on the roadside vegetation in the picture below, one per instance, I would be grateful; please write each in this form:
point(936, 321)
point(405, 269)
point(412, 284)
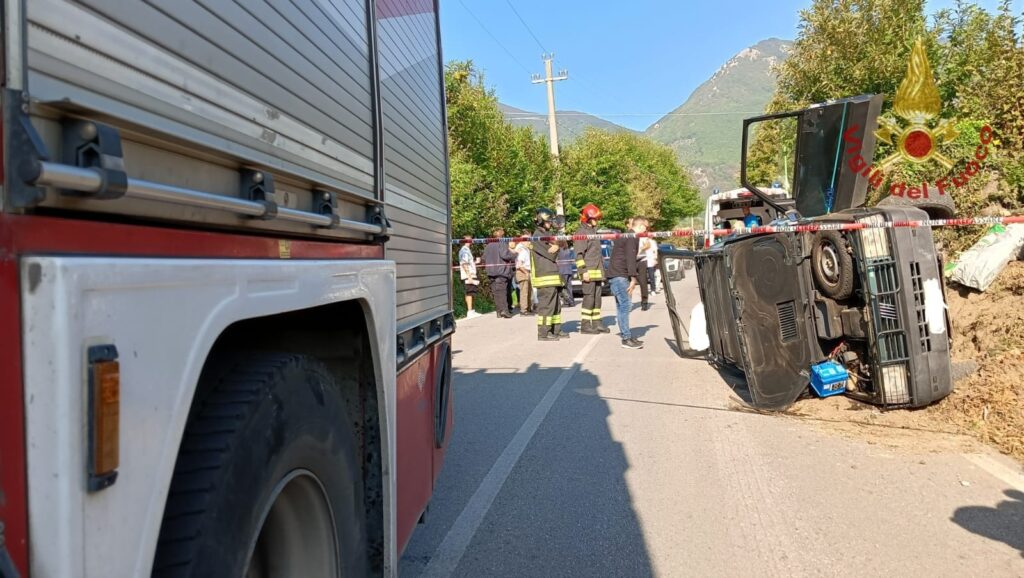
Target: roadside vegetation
point(862, 46)
point(501, 173)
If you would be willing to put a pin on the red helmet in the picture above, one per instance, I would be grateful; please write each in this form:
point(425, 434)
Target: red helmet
point(590, 212)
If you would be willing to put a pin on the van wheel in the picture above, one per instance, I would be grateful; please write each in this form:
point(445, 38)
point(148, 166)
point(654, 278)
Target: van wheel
point(832, 264)
point(266, 483)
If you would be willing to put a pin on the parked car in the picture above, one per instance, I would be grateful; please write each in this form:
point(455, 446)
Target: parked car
point(675, 267)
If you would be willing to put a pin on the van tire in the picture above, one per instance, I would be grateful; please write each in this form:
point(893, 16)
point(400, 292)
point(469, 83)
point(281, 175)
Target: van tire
point(832, 263)
point(265, 421)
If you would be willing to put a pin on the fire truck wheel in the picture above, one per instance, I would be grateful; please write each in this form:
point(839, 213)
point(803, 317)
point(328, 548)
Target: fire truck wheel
point(832, 264)
point(266, 483)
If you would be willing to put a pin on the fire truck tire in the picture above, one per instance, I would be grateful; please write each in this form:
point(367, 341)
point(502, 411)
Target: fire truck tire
point(832, 264)
point(267, 480)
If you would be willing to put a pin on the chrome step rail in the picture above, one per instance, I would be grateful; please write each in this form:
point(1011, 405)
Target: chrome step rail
point(90, 180)
point(93, 167)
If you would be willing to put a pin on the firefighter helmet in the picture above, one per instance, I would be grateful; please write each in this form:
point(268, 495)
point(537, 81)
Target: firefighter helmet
point(543, 215)
point(590, 212)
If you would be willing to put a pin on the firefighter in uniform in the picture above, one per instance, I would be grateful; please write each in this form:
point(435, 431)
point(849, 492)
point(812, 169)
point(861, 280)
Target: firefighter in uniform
point(545, 277)
point(590, 265)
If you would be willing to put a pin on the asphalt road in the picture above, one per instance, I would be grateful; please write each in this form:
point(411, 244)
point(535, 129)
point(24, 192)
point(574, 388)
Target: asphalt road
point(580, 458)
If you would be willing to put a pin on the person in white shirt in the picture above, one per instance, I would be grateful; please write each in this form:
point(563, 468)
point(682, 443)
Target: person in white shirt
point(467, 272)
point(646, 273)
point(650, 255)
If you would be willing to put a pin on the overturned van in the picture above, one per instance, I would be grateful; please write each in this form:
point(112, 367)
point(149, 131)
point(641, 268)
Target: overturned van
point(868, 302)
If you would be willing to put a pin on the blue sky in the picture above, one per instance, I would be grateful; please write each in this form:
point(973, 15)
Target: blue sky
point(628, 62)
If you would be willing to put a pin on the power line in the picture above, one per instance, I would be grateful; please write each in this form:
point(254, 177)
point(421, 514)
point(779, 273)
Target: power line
point(586, 83)
point(541, 45)
point(494, 38)
point(525, 25)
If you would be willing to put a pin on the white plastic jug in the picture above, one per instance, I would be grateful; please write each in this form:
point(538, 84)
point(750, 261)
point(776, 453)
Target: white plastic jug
point(699, 340)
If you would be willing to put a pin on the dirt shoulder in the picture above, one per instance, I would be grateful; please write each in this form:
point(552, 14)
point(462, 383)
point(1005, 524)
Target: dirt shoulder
point(988, 330)
point(988, 400)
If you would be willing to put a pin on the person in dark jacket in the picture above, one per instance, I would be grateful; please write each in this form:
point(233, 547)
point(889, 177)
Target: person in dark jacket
point(623, 270)
point(642, 281)
point(499, 260)
point(565, 260)
point(545, 277)
point(590, 265)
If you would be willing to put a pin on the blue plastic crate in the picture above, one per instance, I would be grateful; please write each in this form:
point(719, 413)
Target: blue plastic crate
point(828, 378)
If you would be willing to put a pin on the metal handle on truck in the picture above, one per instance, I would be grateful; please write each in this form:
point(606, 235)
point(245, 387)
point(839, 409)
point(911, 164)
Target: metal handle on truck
point(91, 180)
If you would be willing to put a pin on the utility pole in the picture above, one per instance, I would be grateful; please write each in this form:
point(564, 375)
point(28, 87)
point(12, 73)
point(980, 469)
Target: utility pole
point(550, 80)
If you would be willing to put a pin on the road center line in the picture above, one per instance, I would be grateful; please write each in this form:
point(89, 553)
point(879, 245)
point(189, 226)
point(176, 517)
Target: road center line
point(449, 553)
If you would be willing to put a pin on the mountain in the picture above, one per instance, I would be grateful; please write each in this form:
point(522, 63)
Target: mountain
point(705, 131)
point(571, 123)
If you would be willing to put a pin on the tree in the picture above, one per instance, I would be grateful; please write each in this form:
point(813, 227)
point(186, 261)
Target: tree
point(981, 73)
point(843, 48)
point(499, 173)
point(626, 174)
point(476, 210)
point(849, 47)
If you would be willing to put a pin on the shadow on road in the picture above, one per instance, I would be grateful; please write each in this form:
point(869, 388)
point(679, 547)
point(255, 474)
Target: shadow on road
point(736, 381)
point(685, 353)
point(565, 507)
point(638, 332)
point(1004, 523)
point(609, 322)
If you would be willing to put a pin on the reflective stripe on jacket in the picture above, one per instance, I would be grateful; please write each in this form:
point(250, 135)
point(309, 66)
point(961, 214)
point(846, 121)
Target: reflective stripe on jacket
point(544, 263)
point(588, 254)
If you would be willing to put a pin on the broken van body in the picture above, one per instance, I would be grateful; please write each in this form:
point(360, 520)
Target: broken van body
point(871, 300)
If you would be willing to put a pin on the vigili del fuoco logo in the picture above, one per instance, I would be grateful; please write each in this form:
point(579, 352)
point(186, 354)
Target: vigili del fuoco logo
point(911, 128)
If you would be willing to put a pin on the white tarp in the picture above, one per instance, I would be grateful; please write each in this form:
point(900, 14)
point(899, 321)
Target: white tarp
point(979, 266)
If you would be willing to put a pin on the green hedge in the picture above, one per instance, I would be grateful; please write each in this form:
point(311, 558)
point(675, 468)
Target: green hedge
point(482, 301)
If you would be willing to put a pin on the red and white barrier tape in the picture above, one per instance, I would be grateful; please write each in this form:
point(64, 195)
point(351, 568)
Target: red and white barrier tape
point(511, 264)
point(808, 228)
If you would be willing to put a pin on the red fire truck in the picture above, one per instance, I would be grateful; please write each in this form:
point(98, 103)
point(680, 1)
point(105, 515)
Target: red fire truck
point(225, 306)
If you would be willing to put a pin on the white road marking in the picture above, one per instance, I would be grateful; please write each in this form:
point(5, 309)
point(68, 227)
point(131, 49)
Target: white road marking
point(449, 553)
point(1007, 475)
